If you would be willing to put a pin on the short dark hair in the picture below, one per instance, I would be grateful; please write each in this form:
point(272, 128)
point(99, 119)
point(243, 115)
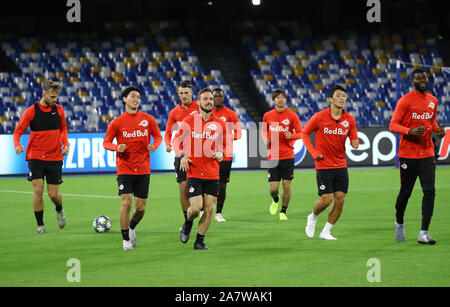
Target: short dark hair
point(335, 88)
point(416, 71)
point(278, 92)
point(206, 89)
point(185, 84)
point(217, 89)
point(127, 90)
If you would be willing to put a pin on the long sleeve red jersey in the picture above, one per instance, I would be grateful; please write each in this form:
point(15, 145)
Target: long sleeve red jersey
point(200, 140)
point(176, 116)
point(275, 126)
point(233, 132)
point(135, 131)
point(330, 138)
point(47, 132)
point(414, 110)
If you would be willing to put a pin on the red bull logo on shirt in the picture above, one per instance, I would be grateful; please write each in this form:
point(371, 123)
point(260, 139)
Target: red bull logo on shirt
point(424, 115)
point(336, 131)
point(135, 134)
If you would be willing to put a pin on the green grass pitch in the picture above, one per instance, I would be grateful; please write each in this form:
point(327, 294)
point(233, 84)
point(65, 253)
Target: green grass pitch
point(252, 248)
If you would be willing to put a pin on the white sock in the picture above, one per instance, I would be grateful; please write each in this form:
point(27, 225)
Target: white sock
point(423, 232)
point(327, 227)
point(313, 216)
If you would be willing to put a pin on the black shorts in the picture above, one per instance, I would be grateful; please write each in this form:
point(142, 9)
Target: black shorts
point(181, 176)
point(332, 180)
point(51, 170)
point(198, 187)
point(282, 169)
point(134, 184)
point(225, 170)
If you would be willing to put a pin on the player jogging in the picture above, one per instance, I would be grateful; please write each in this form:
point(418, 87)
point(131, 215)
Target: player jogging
point(281, 127)
point(231, 120)
point(332, 126)
point(414, 118)
point(133, 131)
point(186, 107)
point(201, 138)
point(47, 145)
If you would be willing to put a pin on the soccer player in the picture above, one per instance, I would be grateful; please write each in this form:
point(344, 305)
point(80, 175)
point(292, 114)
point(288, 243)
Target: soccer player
point(231, 120)
point(187, 106)
point(44, 150)
point(285, 127)
point(133, 131)
point(414, 118)
point(332, 126)
point(200, 138)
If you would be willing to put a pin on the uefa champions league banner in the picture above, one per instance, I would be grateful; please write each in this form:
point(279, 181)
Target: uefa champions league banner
point(87, 155)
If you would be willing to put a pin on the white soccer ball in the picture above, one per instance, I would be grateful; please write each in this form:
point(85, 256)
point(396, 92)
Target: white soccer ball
point(102, 223)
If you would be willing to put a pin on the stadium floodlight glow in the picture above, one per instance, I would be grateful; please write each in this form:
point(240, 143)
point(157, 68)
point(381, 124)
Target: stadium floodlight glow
point(256, 2)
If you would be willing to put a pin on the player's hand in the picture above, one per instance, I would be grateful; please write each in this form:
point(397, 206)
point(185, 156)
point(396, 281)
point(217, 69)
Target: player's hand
point(355, 144)
point(169, 148)
point(218, 156)
point(288, 135)
point(440, 133)
point(319, 157)
point(65, 151)
point(417, 131)
point(121, 148)
point(184, 164)
point(20, 149)
point(151, 148)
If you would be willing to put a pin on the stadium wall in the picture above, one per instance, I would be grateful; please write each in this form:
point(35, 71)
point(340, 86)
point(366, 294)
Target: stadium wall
point(87, 155)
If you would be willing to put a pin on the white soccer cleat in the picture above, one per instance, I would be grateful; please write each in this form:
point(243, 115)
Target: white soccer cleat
point(326, 236)
point(310, 226)
point(40, 229)
point(219, 217)
point(132, 234)
point(61, 218)
point(127, 245)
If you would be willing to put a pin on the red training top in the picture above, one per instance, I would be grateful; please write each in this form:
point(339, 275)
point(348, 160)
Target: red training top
point(233, 132)
point(279, 123)
point(200, 140)
point(414, 110)
point(176, 116)
point(331, 135)
point(44, 142)
point(135, 131)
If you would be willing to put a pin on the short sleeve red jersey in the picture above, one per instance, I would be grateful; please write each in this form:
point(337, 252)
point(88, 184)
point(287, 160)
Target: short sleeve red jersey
point(135, 131)
point(44, 142)
point(176, 116)
point(200, 140)
point(233, 132)
point(414, 110)
point(275, 126)
point(330, 137)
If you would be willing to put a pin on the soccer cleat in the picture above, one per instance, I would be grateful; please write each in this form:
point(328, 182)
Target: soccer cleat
point(424, 238)
point(310, 226)
point(127, 245)
point(283, 216)
point(201, 246)
point(273, 208)
point(132, 234)
point(61, 218)
point(185, 232)
point(219, 217)
point(40, 229)
point(326, 236)
point(400, 235)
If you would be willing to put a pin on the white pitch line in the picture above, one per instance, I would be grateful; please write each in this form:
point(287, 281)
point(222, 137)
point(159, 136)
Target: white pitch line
point(63, 194)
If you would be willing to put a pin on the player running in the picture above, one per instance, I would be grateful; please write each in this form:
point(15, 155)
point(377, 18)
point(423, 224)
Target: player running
point(285, 127)
point(200, 138)
point(186, 107)
point(231, 120)
point(414, 118)
point(47, 145)
point(332, 126)
point(133, 131)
